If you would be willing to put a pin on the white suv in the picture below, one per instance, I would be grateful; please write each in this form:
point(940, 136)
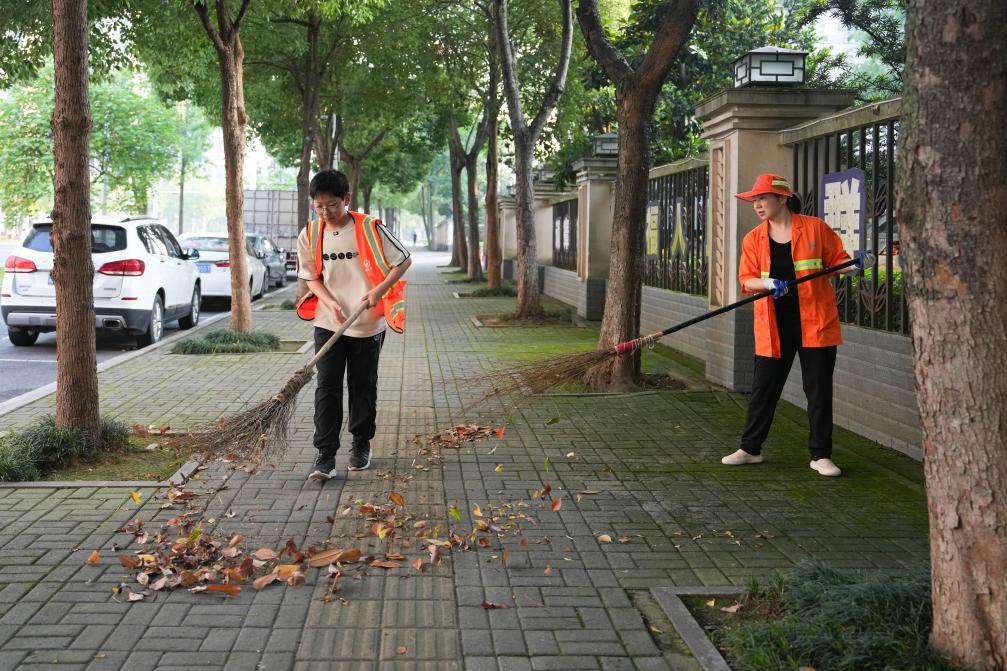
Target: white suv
point(142, 280)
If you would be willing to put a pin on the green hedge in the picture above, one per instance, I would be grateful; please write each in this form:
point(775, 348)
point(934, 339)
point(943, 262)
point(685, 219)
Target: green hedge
point(227, 342)
point(43, 446)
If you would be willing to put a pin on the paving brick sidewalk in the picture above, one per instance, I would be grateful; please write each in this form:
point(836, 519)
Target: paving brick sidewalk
point(652, 458)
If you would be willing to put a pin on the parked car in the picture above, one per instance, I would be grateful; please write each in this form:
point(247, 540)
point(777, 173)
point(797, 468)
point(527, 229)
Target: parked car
point(143, 279)
point(271, 256)
point(214, 265)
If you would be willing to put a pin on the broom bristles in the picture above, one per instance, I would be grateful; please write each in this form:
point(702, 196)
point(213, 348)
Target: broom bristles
point(256, 431)
point(536, 377)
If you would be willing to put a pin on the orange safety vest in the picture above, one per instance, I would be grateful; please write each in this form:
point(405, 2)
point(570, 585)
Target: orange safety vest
point(376, 267)
point(813, 246)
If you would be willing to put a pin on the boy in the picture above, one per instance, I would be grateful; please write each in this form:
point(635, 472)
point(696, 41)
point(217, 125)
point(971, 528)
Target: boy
point(360, 261)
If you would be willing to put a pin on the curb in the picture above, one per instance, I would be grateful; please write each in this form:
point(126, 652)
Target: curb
point(702, 648)
point(178, 478)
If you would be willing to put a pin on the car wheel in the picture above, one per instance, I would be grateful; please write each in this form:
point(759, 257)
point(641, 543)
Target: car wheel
point(156, 327)
point(192, 318)
point(23, 338)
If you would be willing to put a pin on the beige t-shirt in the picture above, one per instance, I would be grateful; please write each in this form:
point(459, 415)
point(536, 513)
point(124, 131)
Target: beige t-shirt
point(344, 277)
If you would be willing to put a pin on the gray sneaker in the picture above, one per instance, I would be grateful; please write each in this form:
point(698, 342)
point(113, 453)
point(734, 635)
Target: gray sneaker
point(360, 456)
point(324, 468)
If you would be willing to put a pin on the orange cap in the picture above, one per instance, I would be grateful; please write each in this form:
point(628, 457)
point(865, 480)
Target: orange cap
point(768, 183)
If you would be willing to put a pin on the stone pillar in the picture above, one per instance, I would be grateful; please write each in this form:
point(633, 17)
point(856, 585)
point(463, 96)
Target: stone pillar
point(545, 193)
point(507, 217)
point(742, 127)
point(596, 205)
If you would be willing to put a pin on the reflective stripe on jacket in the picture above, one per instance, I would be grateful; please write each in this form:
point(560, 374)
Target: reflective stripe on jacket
point(375, 265)
point(813, 246)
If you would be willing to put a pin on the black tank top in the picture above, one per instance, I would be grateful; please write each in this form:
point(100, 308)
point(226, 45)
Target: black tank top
point(788, 309)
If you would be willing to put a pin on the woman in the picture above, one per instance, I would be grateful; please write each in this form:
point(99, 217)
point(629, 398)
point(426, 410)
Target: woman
point(786, 246)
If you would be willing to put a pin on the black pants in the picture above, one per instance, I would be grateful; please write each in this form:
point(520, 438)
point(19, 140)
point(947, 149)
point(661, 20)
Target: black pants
point(358, 358)
point(817, 365)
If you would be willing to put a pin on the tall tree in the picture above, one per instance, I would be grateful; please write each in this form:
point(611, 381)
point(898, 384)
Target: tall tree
point(456, 153)
point(636, 96)
point(73, 270)
point(224, 34)
point(494, 253)
point(950, 208)
point(525, 136)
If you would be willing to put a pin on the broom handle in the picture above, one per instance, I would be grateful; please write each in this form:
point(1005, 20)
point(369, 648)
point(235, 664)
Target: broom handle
point(335, 335)
point(625, 347)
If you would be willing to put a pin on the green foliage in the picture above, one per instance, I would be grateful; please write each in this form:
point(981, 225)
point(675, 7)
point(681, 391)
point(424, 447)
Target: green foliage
point(135, 141)
point(485, 292)
point(835, 621)
point(26, 454)
point(227, 342)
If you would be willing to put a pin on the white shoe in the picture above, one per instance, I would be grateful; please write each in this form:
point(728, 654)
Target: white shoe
point(826, 467)
point(741, 457)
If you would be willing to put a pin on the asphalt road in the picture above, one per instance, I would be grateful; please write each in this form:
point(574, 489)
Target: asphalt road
point(23, 369)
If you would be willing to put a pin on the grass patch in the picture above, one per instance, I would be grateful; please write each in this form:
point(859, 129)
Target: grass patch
point(285, 305)
point(133, 462)
point(830, 620)
point(225, 341)
point(551, 317)
point(506, 290)
point(43, 447)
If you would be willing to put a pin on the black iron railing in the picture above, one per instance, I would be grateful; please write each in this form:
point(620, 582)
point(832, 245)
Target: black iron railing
point(564, 235)
point(676, 228)
point(875, 299)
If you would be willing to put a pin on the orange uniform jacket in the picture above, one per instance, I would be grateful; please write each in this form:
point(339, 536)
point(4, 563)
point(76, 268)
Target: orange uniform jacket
point(814, 246)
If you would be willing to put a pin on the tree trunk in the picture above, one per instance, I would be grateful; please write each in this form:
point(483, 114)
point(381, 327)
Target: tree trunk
point(475, 268)
point(621, 321)
point(529, 293)
point(181, 197)
point(235, 121)
point(73, 270)
point(459, 250)
point(354, 179)
point(368, 190)
point(494, 255)
point(951, 205)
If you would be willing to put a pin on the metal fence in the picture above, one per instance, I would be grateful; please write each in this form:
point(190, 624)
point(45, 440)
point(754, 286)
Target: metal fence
point(564, 234)
point(676, 227)
point(866, 139)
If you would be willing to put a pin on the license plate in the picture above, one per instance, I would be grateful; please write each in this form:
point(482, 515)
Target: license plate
point(203, 267)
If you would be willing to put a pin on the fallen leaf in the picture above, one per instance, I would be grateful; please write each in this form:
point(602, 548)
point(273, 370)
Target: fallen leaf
point(265, 580)
point(557, 503)
point(141, 430)
point(134, 596)
point(93, 557)
point(490, 605)
point(454, 512)
point(347, 556)
point(571, 455)
point(503, 556)
point(130, 562)
point(548, 570)
point(732, 609)
point(551, 421)
point(417, 564)
point(396, 498)
point(402, 649)
point(546, 464)
point(711, 603)
point(284, 571)
point(135, 495)
point(229, 590)
point(499, 468)
point(500, 433)
point(265, 554)
point(477, 511)
point(379, 563)
point(605, 538)
point(524, 542)
point(237, 538)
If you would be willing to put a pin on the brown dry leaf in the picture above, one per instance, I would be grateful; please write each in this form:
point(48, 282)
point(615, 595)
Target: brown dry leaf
point(237, 538)
point(503, 556)
point(402, 649)
point(141, 430)
point(477, 511)
point(395, 556)
point(556, 504)
point(265, 554)
point(284, 571)
point(130, 562)
point(732, 609)
point(296, 579)
point(397, 499)
point(523, 543)
point(325, 557)
point(265, 580)
point(807, 668)
point(417, 564)
point(232, 574)
point(93, 557)
point(229, 590)
point(605, 538)
point(134, 596)
point(379, 563)
point(490, 605)
point(500, 433)
point(548, 570)
point(159, 584)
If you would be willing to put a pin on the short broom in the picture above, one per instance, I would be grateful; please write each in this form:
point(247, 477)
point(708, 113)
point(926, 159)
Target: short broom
point(264, 426)
point(538, 376)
